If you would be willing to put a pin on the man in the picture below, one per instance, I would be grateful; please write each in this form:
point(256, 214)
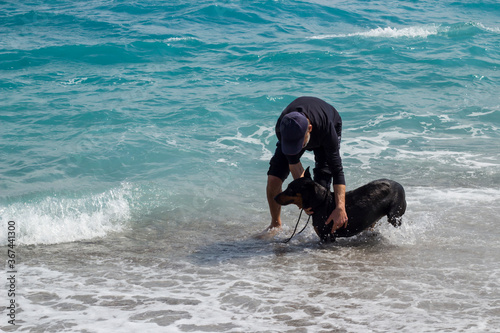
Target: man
point(308, 123)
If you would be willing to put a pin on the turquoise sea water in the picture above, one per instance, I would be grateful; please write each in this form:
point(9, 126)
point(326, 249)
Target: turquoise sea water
point(134, 145)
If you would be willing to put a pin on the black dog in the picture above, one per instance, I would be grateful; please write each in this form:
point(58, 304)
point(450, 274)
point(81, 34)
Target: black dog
point(364, 205)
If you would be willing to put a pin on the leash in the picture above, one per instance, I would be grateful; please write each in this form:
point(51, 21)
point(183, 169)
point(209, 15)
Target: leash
point(298, 220)
point(296, 225)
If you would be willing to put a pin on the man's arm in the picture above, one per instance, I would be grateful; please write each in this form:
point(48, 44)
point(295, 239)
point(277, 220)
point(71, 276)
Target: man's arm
point(297, 170)
point(339, 215)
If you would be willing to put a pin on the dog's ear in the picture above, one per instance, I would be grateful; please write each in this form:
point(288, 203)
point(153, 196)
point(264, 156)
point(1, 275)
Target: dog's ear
point(307, 174)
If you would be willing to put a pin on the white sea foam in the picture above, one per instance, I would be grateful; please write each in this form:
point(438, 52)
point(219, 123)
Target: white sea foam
point(364, 149)
point(489, 29)
point(478, 114)
point(445, 157)
point(224, 161)
point(56, 219)
point(177, 39)
point(459, 196)
point(260, 138)
point(423, 31)
point(74, 81)
point(389, 32)
point(367, 149)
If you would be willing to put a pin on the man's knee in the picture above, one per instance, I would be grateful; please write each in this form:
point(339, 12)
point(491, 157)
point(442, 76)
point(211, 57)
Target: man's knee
point(274, 182)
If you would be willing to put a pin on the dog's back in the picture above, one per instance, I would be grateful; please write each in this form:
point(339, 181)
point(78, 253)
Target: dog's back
point(364, 206)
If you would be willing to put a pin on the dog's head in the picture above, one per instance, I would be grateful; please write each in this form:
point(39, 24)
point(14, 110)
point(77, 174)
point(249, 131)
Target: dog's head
point(301, 192)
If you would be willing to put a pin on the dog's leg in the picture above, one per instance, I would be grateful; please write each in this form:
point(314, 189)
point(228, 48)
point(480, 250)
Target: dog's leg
point(395, 220)
point(395, 215)
point(325, 237)
point(398, 206)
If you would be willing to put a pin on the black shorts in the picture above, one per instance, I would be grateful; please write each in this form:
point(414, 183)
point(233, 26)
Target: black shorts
point(278, 166)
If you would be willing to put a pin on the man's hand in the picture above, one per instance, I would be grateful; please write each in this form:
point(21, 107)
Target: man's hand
point(269, 232)
point(339, 218)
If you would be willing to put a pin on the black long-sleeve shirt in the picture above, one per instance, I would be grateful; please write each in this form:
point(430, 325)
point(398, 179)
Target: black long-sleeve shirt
point(326, 131)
